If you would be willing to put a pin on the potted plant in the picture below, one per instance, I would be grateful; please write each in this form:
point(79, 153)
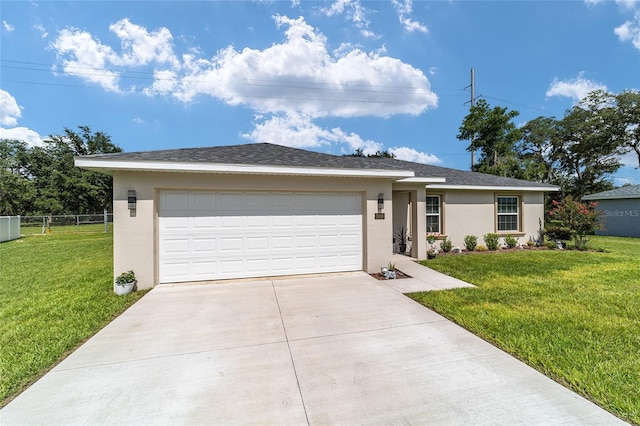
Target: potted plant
point(402, 235)
point(125, 282)
point(432, 252)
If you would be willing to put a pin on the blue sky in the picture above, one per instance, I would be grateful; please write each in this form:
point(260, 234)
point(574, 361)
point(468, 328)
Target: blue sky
point(330, 76)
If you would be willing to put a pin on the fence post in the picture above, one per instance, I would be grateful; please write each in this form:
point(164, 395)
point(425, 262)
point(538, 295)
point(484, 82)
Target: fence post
point(106, 223)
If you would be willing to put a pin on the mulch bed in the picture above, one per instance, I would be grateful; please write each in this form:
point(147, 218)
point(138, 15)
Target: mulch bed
point(399, 276)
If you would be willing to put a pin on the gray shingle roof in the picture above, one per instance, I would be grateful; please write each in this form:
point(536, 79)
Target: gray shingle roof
point(264, 154)
point(267, 154)
point(618, 193)
point(462, 177)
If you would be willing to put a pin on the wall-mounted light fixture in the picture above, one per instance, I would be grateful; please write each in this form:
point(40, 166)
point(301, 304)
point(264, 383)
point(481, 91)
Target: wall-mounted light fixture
point(380, 214)
point(131, 199)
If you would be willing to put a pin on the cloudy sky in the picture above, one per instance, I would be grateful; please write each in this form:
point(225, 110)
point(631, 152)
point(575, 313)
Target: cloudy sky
point(330, 76)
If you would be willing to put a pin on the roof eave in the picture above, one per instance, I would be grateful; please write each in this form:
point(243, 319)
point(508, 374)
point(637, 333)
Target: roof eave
point(109, 166)
point(497, 188)
point(426, 180)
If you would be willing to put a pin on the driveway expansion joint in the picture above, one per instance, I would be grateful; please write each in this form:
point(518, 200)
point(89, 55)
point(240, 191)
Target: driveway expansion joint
point(293, 364)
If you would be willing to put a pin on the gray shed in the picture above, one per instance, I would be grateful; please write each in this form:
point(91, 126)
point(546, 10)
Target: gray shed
point(620, 211)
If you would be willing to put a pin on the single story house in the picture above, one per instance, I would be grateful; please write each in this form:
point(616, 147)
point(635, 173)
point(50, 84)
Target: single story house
point(255, 210)
point(620, 209)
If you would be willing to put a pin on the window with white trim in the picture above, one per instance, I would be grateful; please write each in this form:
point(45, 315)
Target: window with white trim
point(433, 214)
point(508, 211)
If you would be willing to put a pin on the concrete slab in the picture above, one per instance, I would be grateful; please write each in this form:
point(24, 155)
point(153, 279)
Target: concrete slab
point(433, 373)
point(325, 306)
point(336, 349)
point(174, 320)
point(231, 386)
point(423, 278)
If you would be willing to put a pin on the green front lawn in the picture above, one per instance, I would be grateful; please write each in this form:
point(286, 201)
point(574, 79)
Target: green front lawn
point(55, 292)
point(575, 316)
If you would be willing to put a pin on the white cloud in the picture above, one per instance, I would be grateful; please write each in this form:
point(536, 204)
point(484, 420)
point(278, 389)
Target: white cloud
point(300, 75)
point(630, 31)
point(42, 30)
point(139, 47)
point(29, 136)
point(404, 8)
point(299, 130)
point(575, 89)
point(354, 12)
point(10, 112)
point(410, 154)
point(288, 84)
point(138, 120)
point(87, 58)
point(7, 26)
point(628, 4)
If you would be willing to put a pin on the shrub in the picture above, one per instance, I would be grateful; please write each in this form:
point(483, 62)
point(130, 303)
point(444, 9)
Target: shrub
point(551, 245)
point(510, 241)
point(581, 219)
point(492, 241)
point(531, 243)
point(470, 242)
point(446, 245)
point(481, 248)
point(558, 232)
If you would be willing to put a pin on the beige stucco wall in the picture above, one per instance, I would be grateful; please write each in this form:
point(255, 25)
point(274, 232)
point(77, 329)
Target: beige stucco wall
point(474, 213)
point(135, 236)
point(409, 209)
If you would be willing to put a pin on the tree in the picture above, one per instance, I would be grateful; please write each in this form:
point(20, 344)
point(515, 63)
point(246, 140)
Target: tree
point(78, 190)
point(535, 147)
point(378, 154)
point(16, 190)
point(627, 121)
point(580, 219)
point(44, 180)
point(491, 131)
point(588, 148)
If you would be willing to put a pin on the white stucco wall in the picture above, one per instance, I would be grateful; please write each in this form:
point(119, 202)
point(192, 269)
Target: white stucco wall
point(135, 236)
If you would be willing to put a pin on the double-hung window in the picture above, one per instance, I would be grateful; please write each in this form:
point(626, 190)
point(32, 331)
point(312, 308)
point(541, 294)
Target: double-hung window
point(433, 214)
point(508, 211)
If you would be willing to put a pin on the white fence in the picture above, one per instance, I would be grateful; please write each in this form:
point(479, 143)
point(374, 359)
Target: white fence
point(74, 222)
point(9, 228)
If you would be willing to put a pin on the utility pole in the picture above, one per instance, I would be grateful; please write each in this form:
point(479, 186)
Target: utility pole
point(472, 102)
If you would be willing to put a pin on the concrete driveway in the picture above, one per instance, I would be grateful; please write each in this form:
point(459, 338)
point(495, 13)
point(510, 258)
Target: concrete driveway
point(339, 349)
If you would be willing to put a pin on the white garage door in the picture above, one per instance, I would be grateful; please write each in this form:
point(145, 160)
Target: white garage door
point(205, 235)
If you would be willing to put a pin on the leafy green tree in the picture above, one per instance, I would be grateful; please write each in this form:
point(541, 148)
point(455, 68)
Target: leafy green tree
point(44, 180)
point(16, 189)
point(78, 190)
point(536, 148)
point(491, 131)
point(588, 148)
point(627, 121)
point(378, 154)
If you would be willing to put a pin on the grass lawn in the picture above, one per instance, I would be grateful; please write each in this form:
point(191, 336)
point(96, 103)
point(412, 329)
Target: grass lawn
point(575, 316)
point(55, 292)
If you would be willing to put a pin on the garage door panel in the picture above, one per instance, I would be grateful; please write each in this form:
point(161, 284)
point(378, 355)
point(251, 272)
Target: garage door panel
point(203, 224)
point(204, 246)
point(204, 268)
point(207, 235)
